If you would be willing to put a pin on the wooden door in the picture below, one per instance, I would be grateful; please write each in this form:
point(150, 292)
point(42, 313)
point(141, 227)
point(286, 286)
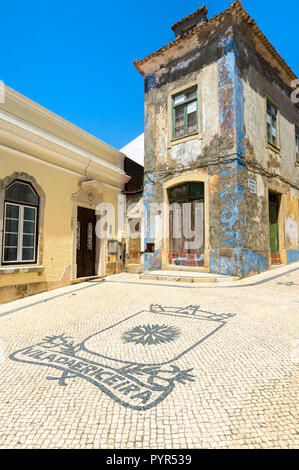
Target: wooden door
point(180, 248)
point(273, 217)
point(86, 241)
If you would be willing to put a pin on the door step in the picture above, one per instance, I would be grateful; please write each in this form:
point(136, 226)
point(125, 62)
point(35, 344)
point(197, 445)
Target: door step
point(275, 258)
point(185, 276)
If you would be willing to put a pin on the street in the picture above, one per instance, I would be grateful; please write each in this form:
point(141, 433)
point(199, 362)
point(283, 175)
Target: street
point(133, 363)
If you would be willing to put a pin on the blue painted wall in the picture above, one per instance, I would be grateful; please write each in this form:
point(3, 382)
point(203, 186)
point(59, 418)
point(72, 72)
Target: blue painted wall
point(233, 258)
point(292, 256)
point(151, 260)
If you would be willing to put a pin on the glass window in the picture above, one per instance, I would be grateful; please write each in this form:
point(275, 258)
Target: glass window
point(21, 192)
point(272, 127)
point(89, 236)
point(78, 235)
point(185, 114)
point(186, 192)
point(20, 223)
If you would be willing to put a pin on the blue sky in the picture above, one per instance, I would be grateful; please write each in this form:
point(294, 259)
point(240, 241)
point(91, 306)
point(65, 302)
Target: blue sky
point(76, 57)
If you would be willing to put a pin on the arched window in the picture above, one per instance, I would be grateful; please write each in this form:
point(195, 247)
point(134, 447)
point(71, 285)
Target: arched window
point(21, 204)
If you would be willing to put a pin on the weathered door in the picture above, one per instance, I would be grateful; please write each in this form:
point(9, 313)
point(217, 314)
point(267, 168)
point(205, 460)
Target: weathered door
point(86, 239)
point(273, 215)
point(186, 224)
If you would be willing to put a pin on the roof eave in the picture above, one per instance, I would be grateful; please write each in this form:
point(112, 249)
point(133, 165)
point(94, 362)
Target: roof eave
point(234, 7)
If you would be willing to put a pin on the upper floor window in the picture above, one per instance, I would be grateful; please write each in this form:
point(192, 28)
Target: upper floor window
point(272, 124)
point(185, 114)
point(297, 143)
point(20, 223)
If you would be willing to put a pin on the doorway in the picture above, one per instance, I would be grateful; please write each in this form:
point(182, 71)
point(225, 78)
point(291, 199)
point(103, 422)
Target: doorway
point(86, 242)
point(186, 225)
point(274, 203)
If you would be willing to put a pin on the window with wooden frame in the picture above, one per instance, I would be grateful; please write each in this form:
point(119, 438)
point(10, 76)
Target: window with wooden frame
point(21, 205)
point(297, 143)
point(185, 113)
point(272, 124)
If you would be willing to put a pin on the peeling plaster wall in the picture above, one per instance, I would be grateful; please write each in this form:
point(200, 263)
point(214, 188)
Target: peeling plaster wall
point(262, 82)
point(163, 158)
point(232, 85)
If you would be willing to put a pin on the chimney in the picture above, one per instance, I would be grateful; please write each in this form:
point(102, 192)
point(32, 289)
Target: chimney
point(189, 22)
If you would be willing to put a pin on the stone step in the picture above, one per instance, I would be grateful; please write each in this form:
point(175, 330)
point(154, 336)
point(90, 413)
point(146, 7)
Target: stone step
point(186, 276)
point(275, 258)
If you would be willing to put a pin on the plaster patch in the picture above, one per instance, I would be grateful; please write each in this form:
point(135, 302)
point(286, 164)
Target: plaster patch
point(291, 229)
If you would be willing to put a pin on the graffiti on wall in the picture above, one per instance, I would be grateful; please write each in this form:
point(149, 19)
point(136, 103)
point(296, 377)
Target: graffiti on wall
point(186, 259)
point(134, 361)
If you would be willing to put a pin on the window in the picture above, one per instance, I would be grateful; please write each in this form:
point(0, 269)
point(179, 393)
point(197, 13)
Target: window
point(272, 124)
point(89, 236)
point(20, 223)
point(150, 248)
point(186, 192)
point(185, 113)
point(297, 144)
point(78, 235)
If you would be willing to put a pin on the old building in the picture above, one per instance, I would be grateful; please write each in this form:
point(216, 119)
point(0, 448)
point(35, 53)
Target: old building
point(221, 136)
point(53, 175)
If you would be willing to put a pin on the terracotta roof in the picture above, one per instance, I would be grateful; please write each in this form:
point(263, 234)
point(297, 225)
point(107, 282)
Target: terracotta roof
point(189, 17)
point(234, 7)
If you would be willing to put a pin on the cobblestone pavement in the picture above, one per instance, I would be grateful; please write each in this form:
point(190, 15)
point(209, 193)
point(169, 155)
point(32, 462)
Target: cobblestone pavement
point(130, 363)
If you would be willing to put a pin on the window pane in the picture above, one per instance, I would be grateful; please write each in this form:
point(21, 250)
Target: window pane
point(28, 254)
point(268, 107)
point(191, 123)
point(12, 212)
point(179, 121)
point(89, 236)
point(11, 240)
point(12, 251)
point(11, 225)
point(196, 189)
point(28, 241)
point(29, 213)
point(269, 131)
point(29, 227)
point(10, 254)
point(272, 124)
point(191, 94)
point(179, 99)
point(78, 234)
point(191, 117)
point(178, 193)
point(191, 107)
point(21, 192)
